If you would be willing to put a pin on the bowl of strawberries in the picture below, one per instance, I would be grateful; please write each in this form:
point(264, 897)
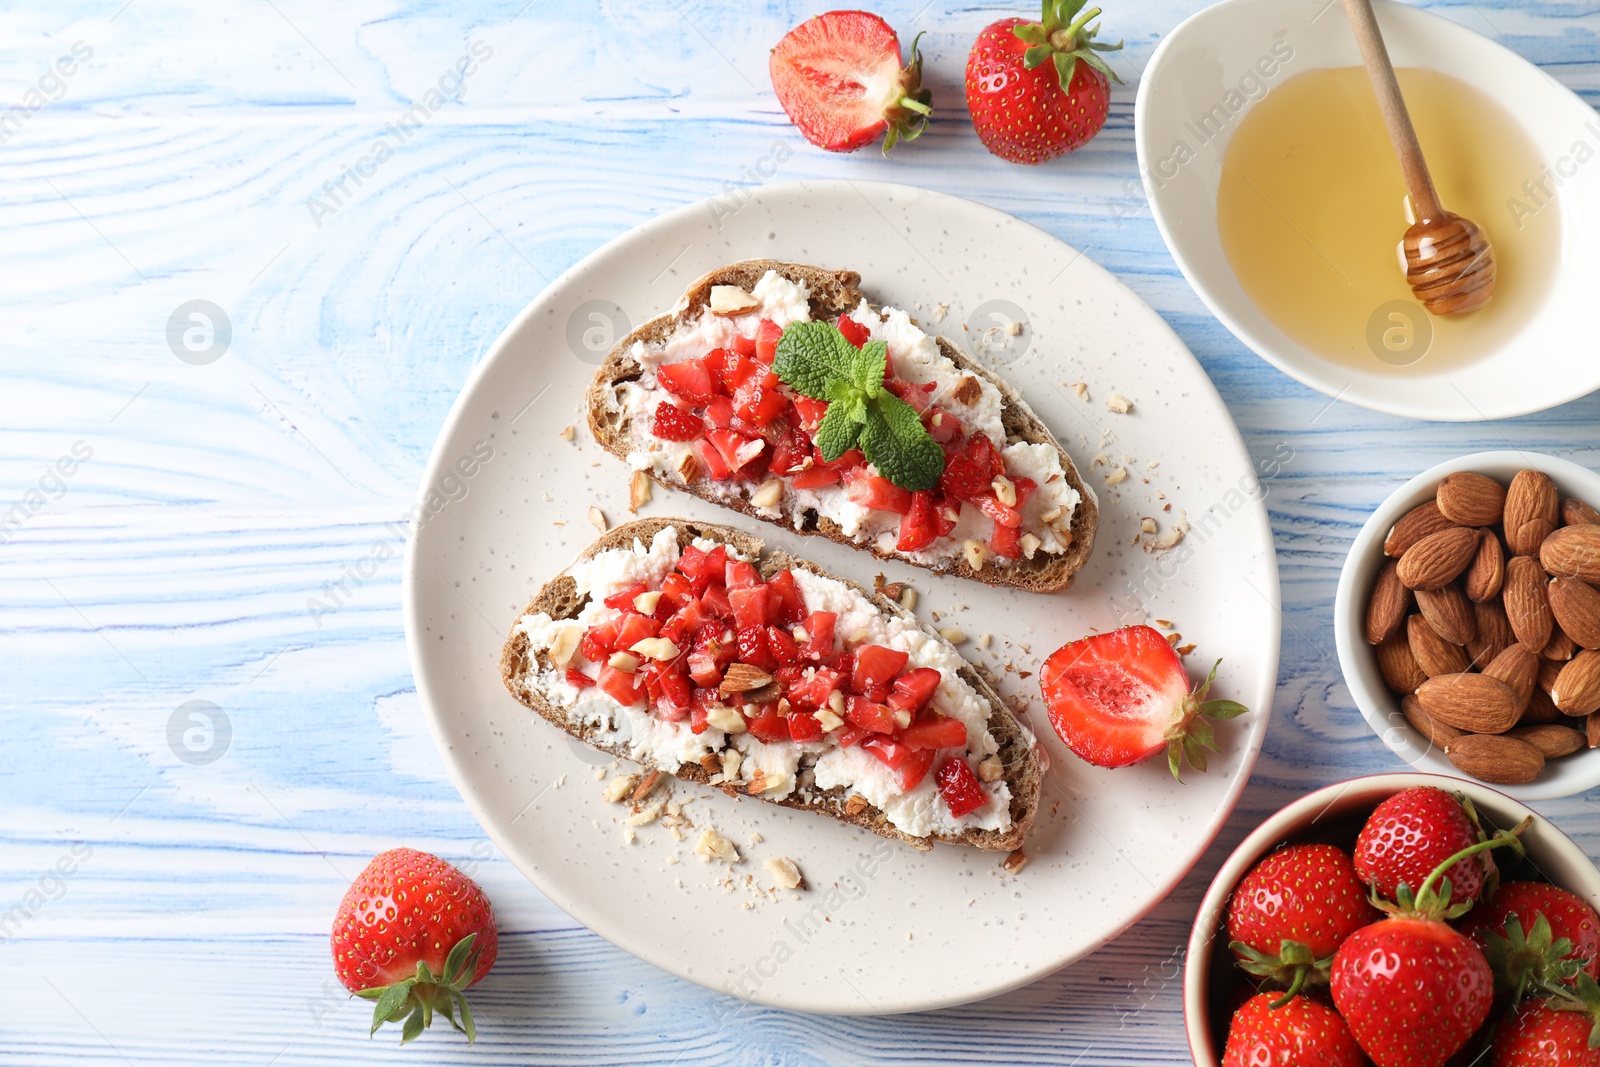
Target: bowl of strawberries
point(1403, 920)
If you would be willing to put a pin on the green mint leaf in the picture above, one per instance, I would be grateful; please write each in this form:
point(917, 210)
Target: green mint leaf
point(896, 442)
point(810, 355)
point(868, 367)
point(838, 432)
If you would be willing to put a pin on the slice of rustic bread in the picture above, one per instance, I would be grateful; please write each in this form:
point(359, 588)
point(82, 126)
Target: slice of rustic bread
point(559, 598)
point(833, 293)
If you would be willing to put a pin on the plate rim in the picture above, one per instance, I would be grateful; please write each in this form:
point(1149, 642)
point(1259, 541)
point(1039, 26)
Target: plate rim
point(1250, 746)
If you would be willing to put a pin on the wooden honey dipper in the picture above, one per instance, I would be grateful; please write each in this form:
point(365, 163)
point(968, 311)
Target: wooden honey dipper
point(1449, 260)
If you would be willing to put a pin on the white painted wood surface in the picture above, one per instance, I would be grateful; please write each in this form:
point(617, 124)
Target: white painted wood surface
point(207, 504)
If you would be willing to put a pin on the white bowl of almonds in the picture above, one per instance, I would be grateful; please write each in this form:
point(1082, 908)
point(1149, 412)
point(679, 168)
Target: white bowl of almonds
point(1468, 622)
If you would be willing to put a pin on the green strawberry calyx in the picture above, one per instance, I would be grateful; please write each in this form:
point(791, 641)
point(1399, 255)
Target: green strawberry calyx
point(1582, 996)
point(1531, 960)
point(1295, 967)
point(415, 999)
point(1063, 36)
point(1189, 734)
point(1432, 900)
point(908, 115)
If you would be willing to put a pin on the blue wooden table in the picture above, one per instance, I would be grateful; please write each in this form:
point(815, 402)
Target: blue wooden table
point(250, 251)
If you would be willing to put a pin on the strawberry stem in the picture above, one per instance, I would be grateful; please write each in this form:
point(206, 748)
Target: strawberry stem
point(1295, 987)
point(1503, 838)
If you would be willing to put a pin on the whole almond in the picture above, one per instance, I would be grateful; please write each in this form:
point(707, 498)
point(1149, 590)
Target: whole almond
point(1499, 760)
point(1414, 525)
point(1470, 499)
point(1518, 668)
point(1560, 647)
point(1487, 571)
point(1449, 612)
point(1540, 709)
point(1573, 552)
point(1436, 560)
point(1528, 603)
point(1398, 666)
point(1474, 703)
point(1577, 688)
point(1386, 611)
point(1494, 632)
point(1533, 511)
point(1591, 730)
point(1576, 607)
point(1553, 740)
point(1577, 513)
point(1433, 654)
point(1438, 733)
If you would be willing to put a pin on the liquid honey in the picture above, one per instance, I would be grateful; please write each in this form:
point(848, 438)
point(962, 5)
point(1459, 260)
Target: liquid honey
point(1312, 207)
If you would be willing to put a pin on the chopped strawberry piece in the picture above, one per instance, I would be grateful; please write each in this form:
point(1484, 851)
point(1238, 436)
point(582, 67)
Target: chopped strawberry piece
point(983, 452)
point(879, 494)
point(794, 605)
point(792, 453)
point(767, 335)
point(1006, 541)
point(689, 560)
point(848, 736)
point(752, 641)
point(684, 622)
point(675, 697)
point(819, 628)
point(915, 768)
point(1002, 514)
point(876, 665)
point(736, 450)
point(913, 689)
point(672, 423)
point(769, 726)
point(917, 530)
point(759, 402)
point(783, 647)
point(946, 513)
point(623, 599)
point(690, 381)
point(600, 640)
point(804, 727)
point(712, 569)
point(846, 460)
point(720, 360)
point(811, 412)
point(869, 715)
point(964, 478)
point(892, 754)
point(715, 599)
point(815, 691)
point(853, 331)
point(578, 678)
point(623, 688)
point(817, 477)
point(743, 370)
point(699, 703)
point(719, 413)
point(749, 605)
point(1025, 489)
point(740, 575)
point(676, 590)
point(942, 426)
point(745, 346)
point(712, 460)
point(935, 731)
point(911, 394)
point(962, 791)
point(635, 628)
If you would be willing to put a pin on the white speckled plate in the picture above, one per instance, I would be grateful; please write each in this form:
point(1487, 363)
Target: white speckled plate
point(883, 928)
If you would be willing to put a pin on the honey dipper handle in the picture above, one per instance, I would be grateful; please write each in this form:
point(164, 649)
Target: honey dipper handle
point(1424, 198)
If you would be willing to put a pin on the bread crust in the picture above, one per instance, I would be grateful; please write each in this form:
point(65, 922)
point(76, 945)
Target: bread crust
point(834, 293)
point(559, 599)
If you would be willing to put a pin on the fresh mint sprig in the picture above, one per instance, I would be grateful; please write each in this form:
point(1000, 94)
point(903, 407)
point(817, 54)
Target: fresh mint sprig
point(815, 359)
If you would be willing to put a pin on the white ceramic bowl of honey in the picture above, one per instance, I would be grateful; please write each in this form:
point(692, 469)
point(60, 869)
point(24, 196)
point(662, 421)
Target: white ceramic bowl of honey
point(1272, 180)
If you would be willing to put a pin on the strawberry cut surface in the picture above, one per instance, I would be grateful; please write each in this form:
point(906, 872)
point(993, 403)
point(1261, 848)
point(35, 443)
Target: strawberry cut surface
point(839, 79)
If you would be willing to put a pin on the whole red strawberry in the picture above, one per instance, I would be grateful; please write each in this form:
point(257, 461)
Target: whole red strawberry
point(1535, 935)
point(1408, 835)
point(412, 933)
point(839, 79)
point(1301, 1033)
point(1293, 910)
point(1412, 989)
point(1540, 1036)
point(1037, 90)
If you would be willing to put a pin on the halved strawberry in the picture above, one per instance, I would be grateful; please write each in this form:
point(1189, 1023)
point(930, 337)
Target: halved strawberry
point(839, 79)
point(1119, 698)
